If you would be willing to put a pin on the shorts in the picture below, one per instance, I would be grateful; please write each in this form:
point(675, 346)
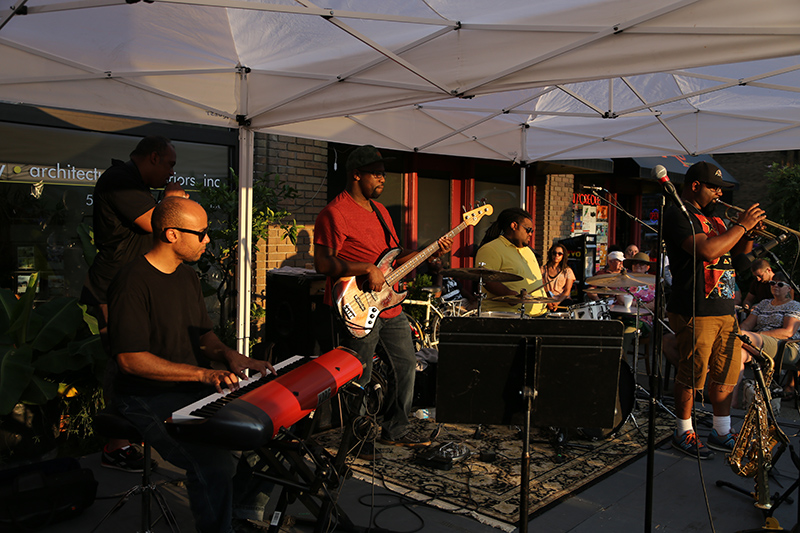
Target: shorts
point(791, 352)
point(716, 350)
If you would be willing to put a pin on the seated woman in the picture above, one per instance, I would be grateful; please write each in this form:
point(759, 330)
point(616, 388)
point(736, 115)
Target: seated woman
point(558, 277)
point(774, 320)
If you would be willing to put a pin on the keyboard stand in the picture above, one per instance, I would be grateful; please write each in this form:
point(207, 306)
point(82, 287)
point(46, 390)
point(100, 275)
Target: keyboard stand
point(305, 471)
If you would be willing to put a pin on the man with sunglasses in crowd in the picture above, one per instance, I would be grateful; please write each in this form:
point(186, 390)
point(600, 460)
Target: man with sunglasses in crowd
point(163, 340)
point(700, 248)
point(760, 287)
point(506, 247)
point(122, 205)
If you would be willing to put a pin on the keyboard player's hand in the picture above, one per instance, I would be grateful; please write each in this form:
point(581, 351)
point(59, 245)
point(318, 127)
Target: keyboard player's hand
point(220, 379)
point(238, 363)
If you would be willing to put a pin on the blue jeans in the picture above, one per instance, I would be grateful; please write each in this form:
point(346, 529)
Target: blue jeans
point(395, 335)
point(218, 481)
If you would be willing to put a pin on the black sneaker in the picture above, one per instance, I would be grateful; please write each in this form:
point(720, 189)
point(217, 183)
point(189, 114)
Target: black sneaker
point(407, 439)
point(128, 459)
point(367, 452)
point(689, 444)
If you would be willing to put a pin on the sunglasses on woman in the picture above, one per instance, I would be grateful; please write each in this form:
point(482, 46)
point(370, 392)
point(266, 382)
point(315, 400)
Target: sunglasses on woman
point(778, 284)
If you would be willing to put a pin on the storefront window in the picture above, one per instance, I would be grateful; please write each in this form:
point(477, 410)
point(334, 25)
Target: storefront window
point(501, 196)
point(47, 175)
point(433, 209)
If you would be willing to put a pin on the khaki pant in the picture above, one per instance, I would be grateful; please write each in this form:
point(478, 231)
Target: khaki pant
point(715, 349)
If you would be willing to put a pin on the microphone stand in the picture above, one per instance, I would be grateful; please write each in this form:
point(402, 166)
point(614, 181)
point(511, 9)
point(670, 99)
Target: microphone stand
point(778, 263)
point(655, 378)
point(621, 209)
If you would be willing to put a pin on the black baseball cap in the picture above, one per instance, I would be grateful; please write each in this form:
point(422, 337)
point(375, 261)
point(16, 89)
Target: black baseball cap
point(363, 156)
point(706, 173)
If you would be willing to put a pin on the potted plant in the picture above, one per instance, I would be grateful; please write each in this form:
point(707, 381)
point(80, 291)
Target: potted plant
point(46, 351)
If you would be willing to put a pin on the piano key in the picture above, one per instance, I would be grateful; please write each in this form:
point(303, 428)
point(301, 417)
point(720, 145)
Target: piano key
point(188, 412)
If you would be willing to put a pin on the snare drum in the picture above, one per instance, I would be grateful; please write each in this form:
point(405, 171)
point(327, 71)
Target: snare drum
point(599, 310)
point(560, 314)
point(499, 314)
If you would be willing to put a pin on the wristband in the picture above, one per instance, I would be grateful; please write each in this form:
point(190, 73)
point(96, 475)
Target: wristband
point(741, 226)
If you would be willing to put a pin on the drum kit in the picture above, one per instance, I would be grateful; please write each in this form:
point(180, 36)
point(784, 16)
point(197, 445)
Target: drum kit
point(483, 275)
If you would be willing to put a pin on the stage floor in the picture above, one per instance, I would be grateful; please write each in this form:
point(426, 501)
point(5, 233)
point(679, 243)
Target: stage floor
point(616, 503)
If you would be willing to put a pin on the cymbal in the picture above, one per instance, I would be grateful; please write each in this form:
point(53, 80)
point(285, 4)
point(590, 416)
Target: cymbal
point(600, 291)
point(477, 274)
point(623, 279)
point(527, 299)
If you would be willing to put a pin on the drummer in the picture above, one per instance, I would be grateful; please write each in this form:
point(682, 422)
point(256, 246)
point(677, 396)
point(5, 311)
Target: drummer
point(506, 248)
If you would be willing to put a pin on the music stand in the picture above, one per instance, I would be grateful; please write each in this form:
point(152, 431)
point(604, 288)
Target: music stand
point(511, 371)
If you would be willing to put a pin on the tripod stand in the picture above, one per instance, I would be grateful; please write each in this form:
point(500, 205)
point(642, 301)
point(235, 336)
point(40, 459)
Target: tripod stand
point(758, 436)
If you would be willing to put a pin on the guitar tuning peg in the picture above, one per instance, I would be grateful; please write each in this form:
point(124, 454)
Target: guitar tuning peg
point(463, 209)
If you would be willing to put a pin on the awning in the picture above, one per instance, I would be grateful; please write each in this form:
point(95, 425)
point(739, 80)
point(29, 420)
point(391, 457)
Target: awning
point(677, 165)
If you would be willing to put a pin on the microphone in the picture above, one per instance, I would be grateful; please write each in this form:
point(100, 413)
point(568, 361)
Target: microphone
point(591, 188)
point(767, 246)
point(660, 173)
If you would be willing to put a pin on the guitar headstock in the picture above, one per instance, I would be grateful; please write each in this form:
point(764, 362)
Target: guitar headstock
point(471, 218)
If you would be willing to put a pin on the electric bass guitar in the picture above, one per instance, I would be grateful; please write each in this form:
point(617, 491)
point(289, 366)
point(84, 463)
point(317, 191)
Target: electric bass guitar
point(359, 307)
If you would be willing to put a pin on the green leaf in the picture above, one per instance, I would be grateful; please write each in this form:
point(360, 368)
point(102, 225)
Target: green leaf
point(19, 328)
point(39, 391)
point(61, 319)
point(8, 309)
point(58, 361)
point(16, 371)
point(90, 320)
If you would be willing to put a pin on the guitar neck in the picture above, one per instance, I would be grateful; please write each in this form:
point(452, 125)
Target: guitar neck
point(401, 272)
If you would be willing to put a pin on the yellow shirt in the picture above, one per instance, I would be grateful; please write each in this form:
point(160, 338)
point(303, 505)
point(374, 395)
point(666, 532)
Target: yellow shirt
point(500, 254)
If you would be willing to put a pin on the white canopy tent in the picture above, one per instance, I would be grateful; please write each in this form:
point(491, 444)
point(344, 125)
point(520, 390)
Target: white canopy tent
point(263, 66)
point(742, 107)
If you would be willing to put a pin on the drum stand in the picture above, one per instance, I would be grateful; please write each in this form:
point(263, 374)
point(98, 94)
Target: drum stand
point(638, 387)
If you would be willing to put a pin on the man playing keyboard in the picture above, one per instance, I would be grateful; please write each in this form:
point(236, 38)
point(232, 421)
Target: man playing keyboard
point(163, 341)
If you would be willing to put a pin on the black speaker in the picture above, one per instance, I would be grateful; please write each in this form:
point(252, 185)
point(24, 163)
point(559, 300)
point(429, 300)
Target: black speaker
point(571, 365)
point(296, 320)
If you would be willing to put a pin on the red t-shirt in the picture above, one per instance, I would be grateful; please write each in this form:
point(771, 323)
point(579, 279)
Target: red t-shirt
point(355, 233)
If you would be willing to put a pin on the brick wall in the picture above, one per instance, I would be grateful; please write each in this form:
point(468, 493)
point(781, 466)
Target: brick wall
point(554, 214)
point(303, 163)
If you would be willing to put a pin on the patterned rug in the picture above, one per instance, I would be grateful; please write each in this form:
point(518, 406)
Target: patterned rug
point(485, 483)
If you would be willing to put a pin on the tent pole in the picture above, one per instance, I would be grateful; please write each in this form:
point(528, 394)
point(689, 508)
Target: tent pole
point(523, 185)
point(244, 264)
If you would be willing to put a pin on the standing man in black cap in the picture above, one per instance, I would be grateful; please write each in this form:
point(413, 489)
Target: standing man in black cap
point(701, 309)
point(350, 234)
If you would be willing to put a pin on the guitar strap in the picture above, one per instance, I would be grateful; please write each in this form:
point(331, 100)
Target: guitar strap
point(386, 231)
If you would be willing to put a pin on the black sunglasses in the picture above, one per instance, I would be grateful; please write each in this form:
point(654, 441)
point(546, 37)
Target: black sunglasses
point(200, 234)
point(527, 230)
point(711, 186)
point(778, 284)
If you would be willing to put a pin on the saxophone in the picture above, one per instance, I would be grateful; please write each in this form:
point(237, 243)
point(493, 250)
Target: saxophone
point(752, 453)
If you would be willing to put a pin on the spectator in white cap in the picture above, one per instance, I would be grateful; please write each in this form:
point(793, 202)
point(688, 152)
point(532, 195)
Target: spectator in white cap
point(613, 263)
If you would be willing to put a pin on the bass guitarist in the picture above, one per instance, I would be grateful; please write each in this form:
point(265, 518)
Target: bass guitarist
point(350, 235)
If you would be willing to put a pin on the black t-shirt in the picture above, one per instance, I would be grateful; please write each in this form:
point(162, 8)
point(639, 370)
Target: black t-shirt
point(716, 280)
point(761, 290)
point(120, 197)
point(163, 314)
